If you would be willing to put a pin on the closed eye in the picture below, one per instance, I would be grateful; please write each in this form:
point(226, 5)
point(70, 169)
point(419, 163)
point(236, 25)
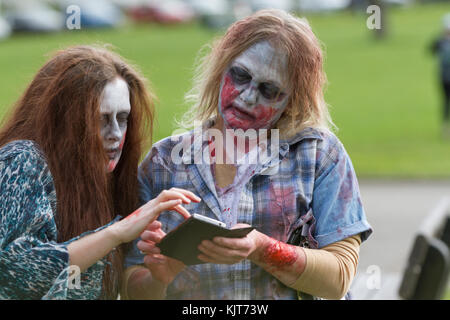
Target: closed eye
point(239, 75)
point(269, 91)
point(122, 118)
point(104, 120)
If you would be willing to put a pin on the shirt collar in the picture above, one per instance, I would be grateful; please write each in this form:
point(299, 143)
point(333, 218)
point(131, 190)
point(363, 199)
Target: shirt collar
point(199, 140)
point(306, 133)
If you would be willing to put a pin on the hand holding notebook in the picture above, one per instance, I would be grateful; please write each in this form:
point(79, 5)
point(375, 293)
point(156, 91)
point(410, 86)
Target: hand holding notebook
point(182, 242)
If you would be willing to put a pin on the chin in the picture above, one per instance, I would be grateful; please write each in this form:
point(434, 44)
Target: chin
point(112, 164)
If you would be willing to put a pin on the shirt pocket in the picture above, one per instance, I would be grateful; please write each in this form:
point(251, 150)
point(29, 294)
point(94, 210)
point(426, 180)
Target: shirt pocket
point(285, 207)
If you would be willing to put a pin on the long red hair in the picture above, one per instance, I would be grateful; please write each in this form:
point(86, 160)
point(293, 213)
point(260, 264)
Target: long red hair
point(60, 112)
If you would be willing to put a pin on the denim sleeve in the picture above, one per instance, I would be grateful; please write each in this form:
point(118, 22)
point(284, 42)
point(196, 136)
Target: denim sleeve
point(336, 203)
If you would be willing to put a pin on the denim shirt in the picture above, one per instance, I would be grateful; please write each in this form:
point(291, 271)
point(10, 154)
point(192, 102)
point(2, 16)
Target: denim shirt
point(310, 173)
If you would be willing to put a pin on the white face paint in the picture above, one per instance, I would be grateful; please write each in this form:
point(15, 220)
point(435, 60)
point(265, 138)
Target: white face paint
point(114, 110)
point(254, 91)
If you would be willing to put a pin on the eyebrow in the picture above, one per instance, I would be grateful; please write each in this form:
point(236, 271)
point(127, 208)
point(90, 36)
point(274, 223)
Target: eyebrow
point(127, 110)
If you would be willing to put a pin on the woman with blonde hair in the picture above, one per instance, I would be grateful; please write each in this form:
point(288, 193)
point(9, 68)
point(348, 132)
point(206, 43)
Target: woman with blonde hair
point(69, 155)
point(265, 74)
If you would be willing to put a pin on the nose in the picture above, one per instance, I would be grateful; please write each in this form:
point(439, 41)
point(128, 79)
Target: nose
point(114, 133)
point(250, 95)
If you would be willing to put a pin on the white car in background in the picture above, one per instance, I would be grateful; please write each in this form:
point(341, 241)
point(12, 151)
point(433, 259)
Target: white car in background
point(5, 29)
point(32, 15)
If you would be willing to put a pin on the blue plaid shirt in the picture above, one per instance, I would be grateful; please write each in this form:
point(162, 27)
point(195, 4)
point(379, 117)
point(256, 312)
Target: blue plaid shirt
point(313, 174)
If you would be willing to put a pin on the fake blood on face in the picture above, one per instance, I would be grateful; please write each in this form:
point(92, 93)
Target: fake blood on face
point(254, 91)
point(113, 163)
point(229, 92)
point(257, 117)
point(123, 141)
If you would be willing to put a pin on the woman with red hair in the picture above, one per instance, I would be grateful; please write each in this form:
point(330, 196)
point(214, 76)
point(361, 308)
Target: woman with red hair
point(69, 154)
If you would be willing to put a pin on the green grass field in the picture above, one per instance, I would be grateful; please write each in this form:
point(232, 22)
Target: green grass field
point(384, 95)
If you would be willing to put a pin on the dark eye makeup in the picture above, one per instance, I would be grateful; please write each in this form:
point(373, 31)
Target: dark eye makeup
point(268, 90)
point(122, 119)
point(122, 116)
point(240, 76)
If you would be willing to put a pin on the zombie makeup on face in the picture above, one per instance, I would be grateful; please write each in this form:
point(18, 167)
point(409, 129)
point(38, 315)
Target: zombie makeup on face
point(114, 111)
point(254, 91)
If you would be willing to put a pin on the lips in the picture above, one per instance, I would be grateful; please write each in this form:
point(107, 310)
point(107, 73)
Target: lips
point(112, 153)
point(260, 116)
point(241, 113)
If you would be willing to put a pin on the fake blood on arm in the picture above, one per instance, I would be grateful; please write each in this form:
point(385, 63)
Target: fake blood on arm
point(279, 254)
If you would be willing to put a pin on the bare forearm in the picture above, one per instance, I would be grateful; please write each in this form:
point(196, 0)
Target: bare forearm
point(142, 286)
point(87, 250)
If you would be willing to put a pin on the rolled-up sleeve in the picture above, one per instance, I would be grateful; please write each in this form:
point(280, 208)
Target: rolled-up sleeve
point(337, 204)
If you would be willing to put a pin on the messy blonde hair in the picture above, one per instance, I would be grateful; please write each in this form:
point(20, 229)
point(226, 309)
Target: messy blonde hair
point(306, 106)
